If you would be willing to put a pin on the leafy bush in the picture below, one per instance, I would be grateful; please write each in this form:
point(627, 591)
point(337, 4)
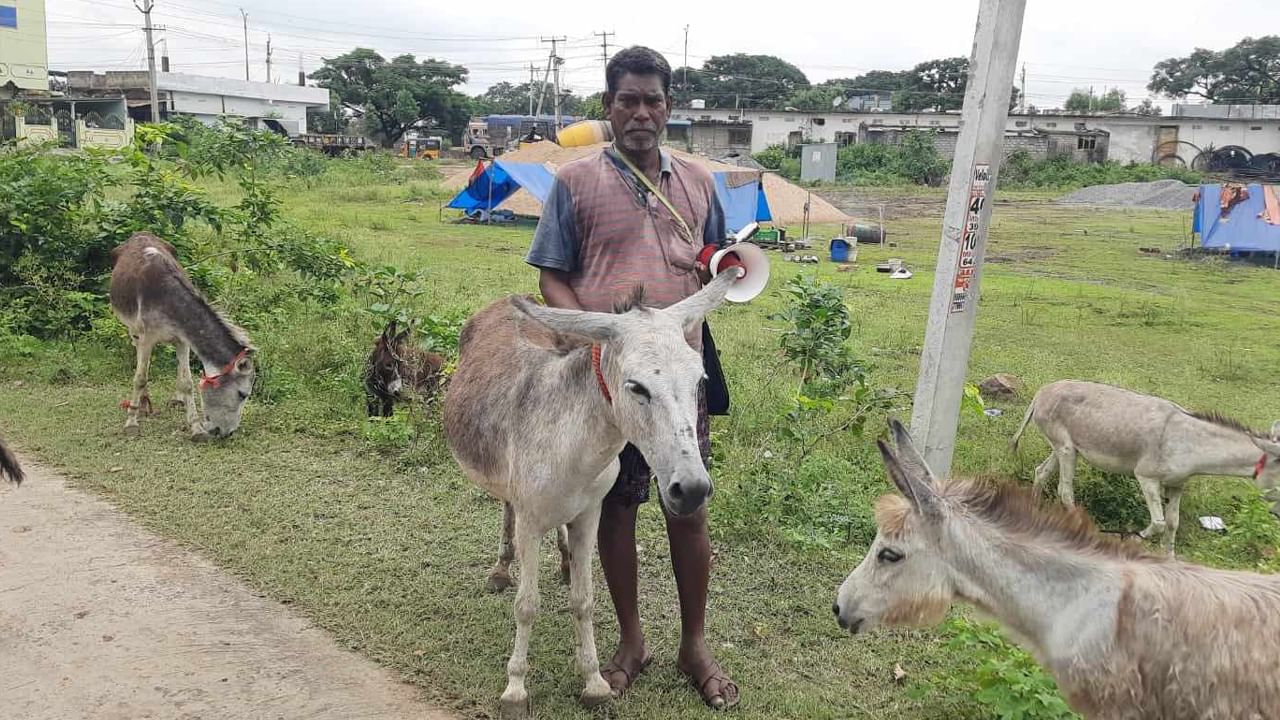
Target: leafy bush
point(1020, 170)
point(1009, 682)
point(772, 157)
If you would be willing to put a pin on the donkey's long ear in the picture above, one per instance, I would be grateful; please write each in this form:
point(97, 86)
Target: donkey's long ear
point(1275, 431)
point(918, 492)
point(908, 455)
point(1270, 447)
point(389, 331)
point(694, 308)
point(596, 326)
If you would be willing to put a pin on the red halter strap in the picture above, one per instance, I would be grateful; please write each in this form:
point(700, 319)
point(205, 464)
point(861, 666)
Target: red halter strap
point(208, 382)
point(595, 365)
point(1262, 465)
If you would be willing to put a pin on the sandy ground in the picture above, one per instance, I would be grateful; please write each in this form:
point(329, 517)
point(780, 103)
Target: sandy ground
point(101, 619)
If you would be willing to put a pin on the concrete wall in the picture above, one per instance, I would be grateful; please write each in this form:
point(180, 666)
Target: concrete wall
point(24, 50)
point(1132, 139)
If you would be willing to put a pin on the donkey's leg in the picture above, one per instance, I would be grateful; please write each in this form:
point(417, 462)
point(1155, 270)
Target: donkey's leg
point(515, 699)
point(500, 575)
point(140, 372)
point(1172, 511)
point(1067, 475)
point(184, 391)
point(566, 555)
point(1151, 492)
point(582, 540)
point(1045, 471)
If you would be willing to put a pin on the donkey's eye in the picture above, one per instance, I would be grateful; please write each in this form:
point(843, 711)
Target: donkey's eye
point(243, 395)
point(640, 392)
point(888, 555)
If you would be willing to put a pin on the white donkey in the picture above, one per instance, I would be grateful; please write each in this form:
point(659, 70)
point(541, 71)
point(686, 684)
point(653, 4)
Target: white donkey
point(1128, 635)
point(542, 402)
point(1160, 443)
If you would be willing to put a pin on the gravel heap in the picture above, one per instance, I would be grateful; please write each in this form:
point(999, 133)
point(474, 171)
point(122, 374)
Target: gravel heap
point(1161, 195)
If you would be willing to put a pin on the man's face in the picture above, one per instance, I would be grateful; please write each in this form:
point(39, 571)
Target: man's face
point(638, 111)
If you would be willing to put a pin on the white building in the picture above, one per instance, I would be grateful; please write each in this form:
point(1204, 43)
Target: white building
point(1132, 138)
point(24, 46)
point(206, 98)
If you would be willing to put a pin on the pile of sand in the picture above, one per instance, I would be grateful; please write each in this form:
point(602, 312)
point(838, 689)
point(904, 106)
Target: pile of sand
point(786, 201)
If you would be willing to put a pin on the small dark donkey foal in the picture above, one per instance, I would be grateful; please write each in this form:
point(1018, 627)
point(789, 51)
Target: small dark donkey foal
point(396, 364)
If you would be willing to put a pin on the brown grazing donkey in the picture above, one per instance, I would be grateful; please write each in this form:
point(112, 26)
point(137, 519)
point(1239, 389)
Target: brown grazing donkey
point(154, 298)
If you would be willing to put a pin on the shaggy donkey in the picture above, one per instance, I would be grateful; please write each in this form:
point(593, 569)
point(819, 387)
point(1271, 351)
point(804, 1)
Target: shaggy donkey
point(394, 365)
point(1160, 443)
point(1128, 635)
point(542, 402)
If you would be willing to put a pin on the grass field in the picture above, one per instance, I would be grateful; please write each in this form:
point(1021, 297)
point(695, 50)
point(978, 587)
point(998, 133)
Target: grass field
point(380, 539)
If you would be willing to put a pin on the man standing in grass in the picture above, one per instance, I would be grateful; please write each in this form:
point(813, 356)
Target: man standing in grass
point(635, 215)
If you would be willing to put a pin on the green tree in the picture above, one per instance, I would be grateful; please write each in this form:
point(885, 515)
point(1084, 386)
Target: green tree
point(1082, 100)
point(741, 80)
point(393, 96)
point(1248, 72)
point(1147, 108)
point(817, 98)
point(938, 85)
point(508, 99)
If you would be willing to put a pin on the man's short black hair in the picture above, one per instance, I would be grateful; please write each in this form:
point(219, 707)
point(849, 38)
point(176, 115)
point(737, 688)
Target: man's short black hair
point(637, 60)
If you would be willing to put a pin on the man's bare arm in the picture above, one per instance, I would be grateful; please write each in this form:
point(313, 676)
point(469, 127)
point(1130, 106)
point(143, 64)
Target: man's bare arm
point(554, 285)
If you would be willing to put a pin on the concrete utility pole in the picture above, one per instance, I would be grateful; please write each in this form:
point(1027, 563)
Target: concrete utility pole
point(604, 36)
point(1023, 104)
point(556, 62)
point(533, 78)
point(268, 58)
point(245, 15)
point(684, 85)
point(953, 310)
point(151, 57)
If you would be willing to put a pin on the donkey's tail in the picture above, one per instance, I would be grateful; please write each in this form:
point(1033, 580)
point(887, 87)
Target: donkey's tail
point(1026, 420)
point(9, 466)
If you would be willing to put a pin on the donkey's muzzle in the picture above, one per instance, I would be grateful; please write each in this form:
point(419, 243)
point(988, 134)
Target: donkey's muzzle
point(685, 496)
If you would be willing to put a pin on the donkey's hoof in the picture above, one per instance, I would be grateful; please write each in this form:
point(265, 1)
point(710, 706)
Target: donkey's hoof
point(132, 431)
point(596, 694)
point(497, 583)
point(516, 708)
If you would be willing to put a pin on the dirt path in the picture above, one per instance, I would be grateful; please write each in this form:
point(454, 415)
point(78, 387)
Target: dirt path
point(101, 619)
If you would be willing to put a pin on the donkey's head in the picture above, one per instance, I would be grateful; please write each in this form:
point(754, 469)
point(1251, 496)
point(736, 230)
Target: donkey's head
point(1267, 473)
point(903, 579)
point(386, 362)
point(224, 395)
point(652, 376)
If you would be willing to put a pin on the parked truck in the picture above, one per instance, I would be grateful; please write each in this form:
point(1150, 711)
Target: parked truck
point(491, 135)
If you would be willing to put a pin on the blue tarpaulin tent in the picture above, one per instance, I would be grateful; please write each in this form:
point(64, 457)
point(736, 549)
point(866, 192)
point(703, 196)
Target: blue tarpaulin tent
point(743, 203)
point(499, 181)
point(1241, 229)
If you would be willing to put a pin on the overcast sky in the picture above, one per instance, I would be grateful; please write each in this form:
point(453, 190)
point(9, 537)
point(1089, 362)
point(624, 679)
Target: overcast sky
point(1112, 43)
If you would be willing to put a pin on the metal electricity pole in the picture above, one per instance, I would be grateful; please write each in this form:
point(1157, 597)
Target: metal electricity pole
point(151, 57)
point(954, 307)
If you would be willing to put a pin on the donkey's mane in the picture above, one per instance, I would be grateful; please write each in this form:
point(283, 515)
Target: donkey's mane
point(1217, 418)
point(634, 301)
point(1017, 510)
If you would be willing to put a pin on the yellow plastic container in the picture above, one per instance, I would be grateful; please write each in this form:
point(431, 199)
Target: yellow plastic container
point(585, 132)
